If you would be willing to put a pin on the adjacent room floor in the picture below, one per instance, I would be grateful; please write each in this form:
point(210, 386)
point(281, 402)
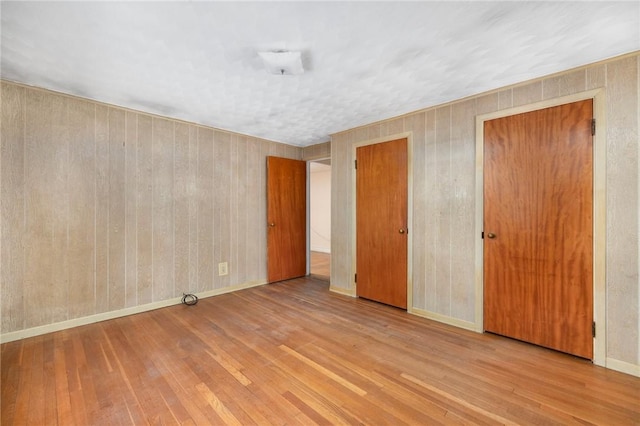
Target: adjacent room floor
point(295, 353)
point(320, 265)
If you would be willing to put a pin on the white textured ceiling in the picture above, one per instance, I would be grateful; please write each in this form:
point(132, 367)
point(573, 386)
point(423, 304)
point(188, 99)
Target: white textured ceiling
point(365, 61)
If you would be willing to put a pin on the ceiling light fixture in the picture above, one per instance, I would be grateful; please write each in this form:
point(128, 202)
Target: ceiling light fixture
point(283, 62)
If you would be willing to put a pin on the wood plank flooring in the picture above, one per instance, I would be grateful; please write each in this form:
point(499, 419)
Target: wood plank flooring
point(320, 265)
point(292, 353)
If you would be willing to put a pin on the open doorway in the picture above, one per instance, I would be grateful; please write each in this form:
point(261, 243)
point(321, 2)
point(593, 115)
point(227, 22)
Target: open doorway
point(320, 218)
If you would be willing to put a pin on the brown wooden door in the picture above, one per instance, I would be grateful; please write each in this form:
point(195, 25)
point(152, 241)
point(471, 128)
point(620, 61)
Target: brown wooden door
point(538, 241)
point(286, 218)
point(381, 222)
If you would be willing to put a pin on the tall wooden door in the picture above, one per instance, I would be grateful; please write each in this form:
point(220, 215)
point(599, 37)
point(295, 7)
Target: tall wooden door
point(286, 219)
point(538, 242)
point(381, 222)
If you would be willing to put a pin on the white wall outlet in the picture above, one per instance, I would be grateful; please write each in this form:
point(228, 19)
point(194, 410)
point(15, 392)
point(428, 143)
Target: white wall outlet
point(223, 269)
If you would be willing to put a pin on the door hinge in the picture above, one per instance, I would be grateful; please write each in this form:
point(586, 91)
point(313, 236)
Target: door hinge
point(355, 278)
point(355, 164)
point(593, 127)
point(593, 329)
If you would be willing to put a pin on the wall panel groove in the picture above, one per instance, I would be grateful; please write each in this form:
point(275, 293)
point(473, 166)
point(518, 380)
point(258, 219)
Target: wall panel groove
point(106, 209)
point(444, 198)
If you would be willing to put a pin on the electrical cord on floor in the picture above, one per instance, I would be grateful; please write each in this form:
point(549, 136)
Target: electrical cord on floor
point(189, 299)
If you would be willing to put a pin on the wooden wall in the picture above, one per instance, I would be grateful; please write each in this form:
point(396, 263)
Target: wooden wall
point(444, 210)
point(105, 209)
point(317, 151)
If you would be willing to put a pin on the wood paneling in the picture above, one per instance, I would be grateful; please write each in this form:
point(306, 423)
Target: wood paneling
point(619, 78)
point(181, 181)
point(131, 203)
point(104, 208)
point(103, 161)
point(429, 244)
point(462, 212)
point(45, 235)
point(418, 122)
point(623, 202)
point(564, 84)
point(295, 353)
point(444, 197)
point(221, 203)
point(192, 192)
point(82, 213)
point(206, 194)
point(116, 211)
point(527, 93)
point(256, 232)
point(162, 149)
point(240, 203)
point(12, 201)
point(144, 212)
point(443, 226)
point(317, 151)
point(342, 260)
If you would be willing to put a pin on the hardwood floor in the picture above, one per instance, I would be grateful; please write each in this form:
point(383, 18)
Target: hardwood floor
point(294, 353)
point(321, 265)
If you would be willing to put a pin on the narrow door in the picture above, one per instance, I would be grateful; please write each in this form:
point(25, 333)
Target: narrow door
point(538, 243)
point(286, 218)
point(381, 222)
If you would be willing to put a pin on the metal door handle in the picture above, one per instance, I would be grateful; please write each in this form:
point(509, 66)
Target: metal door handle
point(402, 230)
point(491, 235)
point(272, 224)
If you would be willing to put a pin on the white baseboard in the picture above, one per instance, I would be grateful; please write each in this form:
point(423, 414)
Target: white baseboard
point(623, 367)
point(342, 291)
point(613, 364)
point(76, 322)
point(445, 319)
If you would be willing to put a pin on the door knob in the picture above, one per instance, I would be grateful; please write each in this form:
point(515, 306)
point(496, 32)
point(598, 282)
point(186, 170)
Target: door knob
point(401, 230)
point(272, 224)
point(491, 235)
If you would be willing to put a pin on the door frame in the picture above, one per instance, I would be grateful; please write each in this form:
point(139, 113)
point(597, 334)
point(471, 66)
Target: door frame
point(308, 207)
point(599, 210)
point(409, 137)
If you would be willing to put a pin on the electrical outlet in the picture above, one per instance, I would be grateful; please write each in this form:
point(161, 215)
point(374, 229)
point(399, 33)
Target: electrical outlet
point(223, 269)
